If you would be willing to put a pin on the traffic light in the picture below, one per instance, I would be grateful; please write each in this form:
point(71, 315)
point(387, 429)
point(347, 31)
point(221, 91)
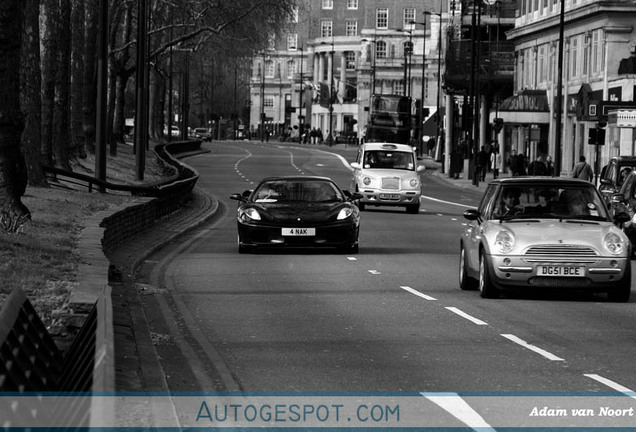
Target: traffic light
point(497, 125)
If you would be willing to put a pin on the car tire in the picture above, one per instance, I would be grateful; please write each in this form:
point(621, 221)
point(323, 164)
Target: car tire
point(486, 288)
point(466, 282)
point(623, 290)
point(413, 208)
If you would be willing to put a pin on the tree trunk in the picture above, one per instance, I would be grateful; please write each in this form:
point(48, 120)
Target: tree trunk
point(90, 73)
point(31, 98)
point(49, 70)
point(13, 172)
point(77, 145)
point(61, 113)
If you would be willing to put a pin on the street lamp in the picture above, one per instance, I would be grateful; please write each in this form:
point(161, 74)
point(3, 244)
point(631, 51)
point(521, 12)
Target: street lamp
point(332, 53)
point(439, 79)
point(301, 126)
point(420, 134)
point(408, 52)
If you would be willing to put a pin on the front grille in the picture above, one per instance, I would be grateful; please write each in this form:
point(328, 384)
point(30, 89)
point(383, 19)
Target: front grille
point(391, 183)
point(559, 282)
point(562, 250)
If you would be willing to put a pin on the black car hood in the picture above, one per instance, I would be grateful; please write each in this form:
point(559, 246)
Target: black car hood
point(299, 212)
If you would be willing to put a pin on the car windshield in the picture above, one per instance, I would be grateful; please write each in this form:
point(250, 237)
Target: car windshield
point(389, 160)
point(549, 201)
point(306, 191)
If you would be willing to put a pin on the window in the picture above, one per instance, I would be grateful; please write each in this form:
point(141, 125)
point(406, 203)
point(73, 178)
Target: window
point(269, 69)
point(268, 102)
point(352, 4)
point(574, 54)
point(351, 28)
point(542, 65)
point(327, 4)
point(596, 52)
point(409, 17)
point(326, 29)
point(295, 15)
point(380, 50)
point(586, 56)
point(350, 60)
point(382, 18)
point(291, 68)
point(398, 87)
point(292, 42)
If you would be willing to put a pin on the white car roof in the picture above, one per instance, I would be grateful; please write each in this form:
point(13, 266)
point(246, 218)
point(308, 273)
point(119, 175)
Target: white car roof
point(388, 146)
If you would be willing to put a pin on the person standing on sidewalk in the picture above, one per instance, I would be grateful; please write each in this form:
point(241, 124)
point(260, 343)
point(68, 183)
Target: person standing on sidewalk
point(482, 163)
point(495, 162)
point(537, 167)
point(583, 170)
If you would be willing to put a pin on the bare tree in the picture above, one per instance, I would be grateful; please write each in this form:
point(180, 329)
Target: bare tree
point(30, 94)
point(77, 145)
point(13, 172)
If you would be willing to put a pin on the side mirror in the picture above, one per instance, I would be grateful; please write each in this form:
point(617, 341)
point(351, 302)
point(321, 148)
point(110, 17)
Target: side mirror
point(618, 198)
point(356, 196)
point(621, 217)
point(606, 182)
point(237, 197)
point(355, 165)
point(420, 168)
point(472, 214)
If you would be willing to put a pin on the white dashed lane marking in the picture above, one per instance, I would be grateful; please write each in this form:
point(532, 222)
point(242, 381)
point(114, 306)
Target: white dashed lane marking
point(417, 293)
point(374, 272)
point(466, 316)
point(616, 386)
point(534, 348)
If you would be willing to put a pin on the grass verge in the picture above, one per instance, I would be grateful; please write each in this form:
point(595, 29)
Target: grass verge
point(43, 257)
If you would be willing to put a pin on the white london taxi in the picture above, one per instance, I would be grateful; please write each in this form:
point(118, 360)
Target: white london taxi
point(387, 174)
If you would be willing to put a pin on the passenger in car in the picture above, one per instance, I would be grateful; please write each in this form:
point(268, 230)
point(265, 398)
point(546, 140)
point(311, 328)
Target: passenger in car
point(509, 203)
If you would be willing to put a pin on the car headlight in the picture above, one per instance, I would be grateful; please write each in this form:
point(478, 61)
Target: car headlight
point(366, 181)
point(344, 213)
point(250, 214)
point(414, 182)
point(504, 242)
point(614, 244)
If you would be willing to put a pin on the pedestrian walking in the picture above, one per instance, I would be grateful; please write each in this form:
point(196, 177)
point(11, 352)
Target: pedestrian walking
point(537, 167)
point(549, 166)
point(482, 163)
point(521, 164)
point(495, 162)
point(583, 170)
point(512, 163)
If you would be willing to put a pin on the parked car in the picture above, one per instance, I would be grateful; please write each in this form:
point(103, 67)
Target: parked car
point(625, 202)
point(203, 134)
point(613, 175)
point(387, 174)
point(297, 212)
point(544, 233)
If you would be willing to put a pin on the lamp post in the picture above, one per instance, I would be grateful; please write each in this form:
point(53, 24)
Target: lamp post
point(439, 79)
point(300, 99)
point(332, 53)
point(559, 97)
point(420, 134)
point(408, 52)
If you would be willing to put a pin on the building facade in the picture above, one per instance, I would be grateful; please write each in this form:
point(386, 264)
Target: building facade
point(322, 72)
point(598, 78)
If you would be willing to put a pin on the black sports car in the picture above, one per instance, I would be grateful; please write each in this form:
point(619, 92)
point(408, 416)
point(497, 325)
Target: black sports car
point(297, 211)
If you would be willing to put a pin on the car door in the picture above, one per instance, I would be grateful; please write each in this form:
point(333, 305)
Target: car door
point(474, 228)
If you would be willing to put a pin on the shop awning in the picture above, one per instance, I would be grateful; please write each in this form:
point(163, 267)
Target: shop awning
point(529, 107)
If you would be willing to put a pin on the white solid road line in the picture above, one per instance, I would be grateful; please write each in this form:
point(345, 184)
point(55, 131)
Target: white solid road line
point(374, 272)
point(616, 386)
point(417, 293)
point(465, 315)
point(459, 408)
point(536, 349)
